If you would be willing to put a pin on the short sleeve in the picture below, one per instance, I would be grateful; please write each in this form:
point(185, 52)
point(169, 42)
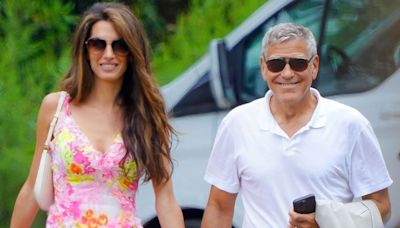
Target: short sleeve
point(368, 170)
point(222, 168)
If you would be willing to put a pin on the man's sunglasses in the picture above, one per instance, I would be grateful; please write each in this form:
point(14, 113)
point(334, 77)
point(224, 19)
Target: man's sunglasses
point(98, 45)
point(278, 64)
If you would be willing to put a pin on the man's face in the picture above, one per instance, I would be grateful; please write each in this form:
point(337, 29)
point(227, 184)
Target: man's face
point(289, 86)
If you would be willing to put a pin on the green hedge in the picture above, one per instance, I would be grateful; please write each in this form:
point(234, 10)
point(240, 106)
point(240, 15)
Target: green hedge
point(34, 45)
point(206, 19)
point(35, 41)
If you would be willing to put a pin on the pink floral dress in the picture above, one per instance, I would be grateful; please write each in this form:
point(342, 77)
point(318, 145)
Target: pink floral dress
point(90, 187)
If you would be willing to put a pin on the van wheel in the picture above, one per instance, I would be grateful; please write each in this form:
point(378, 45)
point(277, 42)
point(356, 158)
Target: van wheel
point(192, 223)
point(189, 223)
point(192, 219)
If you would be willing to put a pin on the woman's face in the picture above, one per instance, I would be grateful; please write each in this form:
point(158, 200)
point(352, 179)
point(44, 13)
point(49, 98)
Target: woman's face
point(108, 54)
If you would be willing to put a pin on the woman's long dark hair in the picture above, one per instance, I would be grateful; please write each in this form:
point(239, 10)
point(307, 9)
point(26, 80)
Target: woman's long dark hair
point(146, 130)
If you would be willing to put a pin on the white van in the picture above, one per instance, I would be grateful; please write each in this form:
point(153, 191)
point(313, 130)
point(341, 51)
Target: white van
point(359, 46)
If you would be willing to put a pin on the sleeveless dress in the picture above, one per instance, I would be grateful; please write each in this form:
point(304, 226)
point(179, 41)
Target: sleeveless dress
point(91, 188)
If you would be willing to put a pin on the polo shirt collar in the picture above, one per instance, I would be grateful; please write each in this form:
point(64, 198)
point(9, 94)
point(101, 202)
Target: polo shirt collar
point(318, 118)
point(264, 118)
point(267, 122)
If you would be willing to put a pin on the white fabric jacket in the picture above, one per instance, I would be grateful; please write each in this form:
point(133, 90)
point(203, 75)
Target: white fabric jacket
point(331, 214)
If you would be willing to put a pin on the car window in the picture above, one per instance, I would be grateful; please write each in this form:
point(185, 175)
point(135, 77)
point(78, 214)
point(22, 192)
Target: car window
point(198, 99)
point(307, 13)
point(361, 45)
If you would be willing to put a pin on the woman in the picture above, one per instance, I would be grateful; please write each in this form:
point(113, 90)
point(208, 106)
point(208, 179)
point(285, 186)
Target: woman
point(112, 130)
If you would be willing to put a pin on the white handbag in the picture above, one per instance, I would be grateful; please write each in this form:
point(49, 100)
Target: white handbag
point(43, 189)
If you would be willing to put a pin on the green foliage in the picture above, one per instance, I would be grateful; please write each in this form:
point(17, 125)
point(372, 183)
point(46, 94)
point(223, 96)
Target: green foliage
point(147, 13)
point(33, 40)
point(145, 10)
point(207, 19)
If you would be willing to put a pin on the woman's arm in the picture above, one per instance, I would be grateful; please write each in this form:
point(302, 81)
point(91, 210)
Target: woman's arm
point(26, 208)
point(168, 210)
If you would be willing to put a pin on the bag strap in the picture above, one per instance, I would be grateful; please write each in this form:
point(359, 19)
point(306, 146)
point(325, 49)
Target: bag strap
point(63, 94)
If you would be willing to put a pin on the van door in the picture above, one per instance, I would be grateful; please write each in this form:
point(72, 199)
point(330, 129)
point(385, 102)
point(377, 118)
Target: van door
point(360, 52)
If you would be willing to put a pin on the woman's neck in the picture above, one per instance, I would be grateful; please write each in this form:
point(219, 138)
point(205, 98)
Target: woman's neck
point(103, 95)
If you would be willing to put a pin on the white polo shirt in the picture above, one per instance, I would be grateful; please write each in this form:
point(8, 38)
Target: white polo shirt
point(335, 156)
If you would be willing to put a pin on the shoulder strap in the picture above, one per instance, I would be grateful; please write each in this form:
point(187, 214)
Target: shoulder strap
point(54, 121)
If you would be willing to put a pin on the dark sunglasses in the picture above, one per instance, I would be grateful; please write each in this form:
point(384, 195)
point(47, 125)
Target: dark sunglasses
point(296, 64)
point(98, 45)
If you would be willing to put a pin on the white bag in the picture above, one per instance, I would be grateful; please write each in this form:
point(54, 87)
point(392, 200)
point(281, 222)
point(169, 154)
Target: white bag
point(43, 189)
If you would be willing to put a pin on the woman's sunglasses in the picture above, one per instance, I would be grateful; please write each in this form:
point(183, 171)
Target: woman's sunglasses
point(296, 64)
point(98, 45)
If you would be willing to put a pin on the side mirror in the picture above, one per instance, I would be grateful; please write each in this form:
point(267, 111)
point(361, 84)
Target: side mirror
point(220, 76)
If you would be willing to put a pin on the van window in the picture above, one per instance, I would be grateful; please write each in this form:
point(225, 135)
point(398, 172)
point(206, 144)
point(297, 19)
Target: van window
point(359, 49)
point(307, 13)
point(361, 46)
point(198, 99)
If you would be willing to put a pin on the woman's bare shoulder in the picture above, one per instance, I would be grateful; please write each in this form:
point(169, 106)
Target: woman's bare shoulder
point(49, 104)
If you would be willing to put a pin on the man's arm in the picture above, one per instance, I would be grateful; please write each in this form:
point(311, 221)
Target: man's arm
point(382, 201)
point(219, 210)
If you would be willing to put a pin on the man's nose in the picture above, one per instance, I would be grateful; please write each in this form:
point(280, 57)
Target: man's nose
point(287, 71)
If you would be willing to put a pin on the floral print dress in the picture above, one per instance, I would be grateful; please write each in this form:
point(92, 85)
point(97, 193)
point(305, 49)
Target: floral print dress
point(91, 188)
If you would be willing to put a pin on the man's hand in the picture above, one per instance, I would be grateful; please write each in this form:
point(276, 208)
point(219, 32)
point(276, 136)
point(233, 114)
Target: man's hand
point(297, 220)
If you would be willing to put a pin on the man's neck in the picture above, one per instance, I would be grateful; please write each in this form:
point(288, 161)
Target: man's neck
point(292, 117)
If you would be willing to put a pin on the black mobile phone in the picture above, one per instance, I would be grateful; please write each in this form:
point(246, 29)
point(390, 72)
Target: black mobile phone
point(305, 204)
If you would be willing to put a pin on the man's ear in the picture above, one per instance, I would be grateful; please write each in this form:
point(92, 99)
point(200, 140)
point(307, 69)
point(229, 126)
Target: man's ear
point(263, 68)
point(315, 67)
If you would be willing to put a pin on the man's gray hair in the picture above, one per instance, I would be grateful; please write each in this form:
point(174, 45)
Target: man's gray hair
point(289, 31)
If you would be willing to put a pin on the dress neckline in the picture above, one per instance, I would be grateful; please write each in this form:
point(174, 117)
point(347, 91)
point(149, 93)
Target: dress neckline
point(116, 139)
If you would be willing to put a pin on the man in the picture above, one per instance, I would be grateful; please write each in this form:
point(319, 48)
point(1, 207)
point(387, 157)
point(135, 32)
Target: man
point(291, 143)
